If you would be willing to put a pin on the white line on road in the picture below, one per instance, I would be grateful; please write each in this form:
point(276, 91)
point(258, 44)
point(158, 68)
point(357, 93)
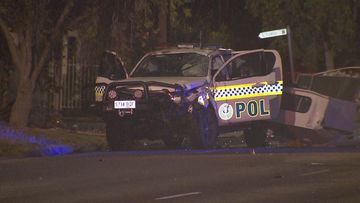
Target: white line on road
point(317, 164)
point(178, 195)
point(315, 172)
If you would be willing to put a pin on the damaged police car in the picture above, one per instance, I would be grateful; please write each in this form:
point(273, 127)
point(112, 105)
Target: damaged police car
point(194, 93)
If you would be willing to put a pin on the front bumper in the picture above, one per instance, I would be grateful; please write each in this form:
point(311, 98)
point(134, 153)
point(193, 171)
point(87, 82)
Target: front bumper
point(154, 101)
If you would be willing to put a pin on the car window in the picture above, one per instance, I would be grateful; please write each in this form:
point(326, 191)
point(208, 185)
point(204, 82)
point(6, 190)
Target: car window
point(269, 61)
point(180, 64)
point(217, 62)
point(248, 65)
point(297, 103)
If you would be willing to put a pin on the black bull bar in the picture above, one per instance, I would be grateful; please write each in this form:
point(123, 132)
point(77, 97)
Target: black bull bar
point(145, 85)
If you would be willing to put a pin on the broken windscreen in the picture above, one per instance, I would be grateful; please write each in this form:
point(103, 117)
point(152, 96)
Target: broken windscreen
point(173, 65)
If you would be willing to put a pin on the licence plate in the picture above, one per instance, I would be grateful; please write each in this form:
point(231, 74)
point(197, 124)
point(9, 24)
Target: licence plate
point(125, 104)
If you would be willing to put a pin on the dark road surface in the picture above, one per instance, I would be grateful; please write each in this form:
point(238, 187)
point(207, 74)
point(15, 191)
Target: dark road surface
point(236, 175)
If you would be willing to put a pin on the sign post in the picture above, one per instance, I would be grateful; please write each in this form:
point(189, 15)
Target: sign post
point(281, 32)
point(292, 71)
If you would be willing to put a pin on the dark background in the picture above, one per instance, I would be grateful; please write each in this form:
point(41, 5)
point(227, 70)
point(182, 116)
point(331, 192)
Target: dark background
point(324, 34)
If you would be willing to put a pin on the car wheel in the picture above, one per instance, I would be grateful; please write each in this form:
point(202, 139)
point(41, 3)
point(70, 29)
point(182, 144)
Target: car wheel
point(206, 129)
point(255, 137)
point(115, 135)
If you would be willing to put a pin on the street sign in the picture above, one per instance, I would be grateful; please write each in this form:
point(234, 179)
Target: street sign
point(273, 33)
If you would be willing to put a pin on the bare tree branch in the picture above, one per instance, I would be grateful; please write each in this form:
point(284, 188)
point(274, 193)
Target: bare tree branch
point(48, 43)
point(18, 61)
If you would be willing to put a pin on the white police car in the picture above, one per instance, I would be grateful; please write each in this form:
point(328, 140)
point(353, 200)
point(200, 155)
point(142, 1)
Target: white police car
point(176, 93)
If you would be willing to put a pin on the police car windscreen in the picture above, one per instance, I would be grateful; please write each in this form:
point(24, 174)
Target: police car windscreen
point(173, 65)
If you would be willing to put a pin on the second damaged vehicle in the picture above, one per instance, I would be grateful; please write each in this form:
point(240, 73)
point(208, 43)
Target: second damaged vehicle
point(194, 93)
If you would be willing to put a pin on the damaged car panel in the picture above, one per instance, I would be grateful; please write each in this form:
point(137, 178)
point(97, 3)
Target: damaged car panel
point(324, 105)
point(160, 97)
point(342, 99)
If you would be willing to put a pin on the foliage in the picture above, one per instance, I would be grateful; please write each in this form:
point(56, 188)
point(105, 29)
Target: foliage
point(133, 27)
point(30, 29)
point(318, 26)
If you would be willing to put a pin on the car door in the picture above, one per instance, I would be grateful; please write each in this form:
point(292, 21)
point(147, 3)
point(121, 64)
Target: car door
point(248, 87)
point(111, 69)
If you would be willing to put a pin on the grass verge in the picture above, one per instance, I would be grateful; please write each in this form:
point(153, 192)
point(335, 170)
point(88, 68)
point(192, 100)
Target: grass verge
point(9, 148)
point(29, 145)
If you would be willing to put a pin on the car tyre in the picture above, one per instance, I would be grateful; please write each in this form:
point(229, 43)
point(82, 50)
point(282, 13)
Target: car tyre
point(115, 135)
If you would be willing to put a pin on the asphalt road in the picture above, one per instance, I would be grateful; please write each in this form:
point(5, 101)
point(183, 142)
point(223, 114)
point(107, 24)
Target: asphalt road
point(236, 175)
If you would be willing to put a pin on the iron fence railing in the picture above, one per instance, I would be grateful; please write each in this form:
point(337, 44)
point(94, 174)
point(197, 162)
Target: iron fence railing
point(70, 90)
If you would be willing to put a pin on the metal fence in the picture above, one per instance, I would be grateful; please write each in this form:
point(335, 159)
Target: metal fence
point(77, 87)
point(69, 91)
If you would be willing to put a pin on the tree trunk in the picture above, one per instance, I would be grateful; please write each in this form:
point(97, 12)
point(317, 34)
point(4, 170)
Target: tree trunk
point(21, 109)
point(163, 23)
point(21, 46)
point(329, 57)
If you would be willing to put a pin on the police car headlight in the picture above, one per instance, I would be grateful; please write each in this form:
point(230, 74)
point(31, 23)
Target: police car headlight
point(201, 100)
point(176, 96)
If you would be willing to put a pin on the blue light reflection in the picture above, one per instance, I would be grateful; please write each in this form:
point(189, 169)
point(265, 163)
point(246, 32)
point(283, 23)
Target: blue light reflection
point(48, 147)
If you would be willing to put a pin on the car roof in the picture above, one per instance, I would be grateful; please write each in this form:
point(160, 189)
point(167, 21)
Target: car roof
point(175, 50)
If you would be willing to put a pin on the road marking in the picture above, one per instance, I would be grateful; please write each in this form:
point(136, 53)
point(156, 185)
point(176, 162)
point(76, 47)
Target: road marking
point(317, 164)
point(315, 172)
point(178, 195)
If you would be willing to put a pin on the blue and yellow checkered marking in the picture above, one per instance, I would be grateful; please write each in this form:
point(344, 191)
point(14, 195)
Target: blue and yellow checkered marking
point(99, 92)
point(247, 90)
